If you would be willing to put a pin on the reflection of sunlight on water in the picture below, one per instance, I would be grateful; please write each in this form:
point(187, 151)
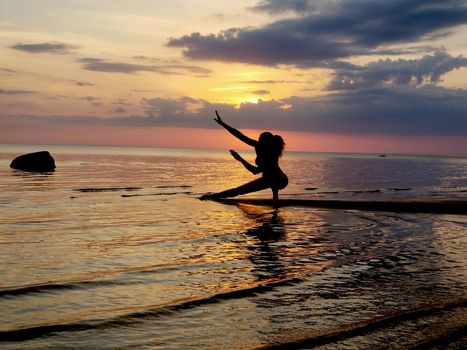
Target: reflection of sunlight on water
point(145, 256)
point(450, 241)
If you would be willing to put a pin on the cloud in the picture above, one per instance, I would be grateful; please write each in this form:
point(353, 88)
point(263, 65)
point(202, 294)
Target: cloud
point(200, 71)
point(8, 71)
point(408, 110)
point(392, 97)
point(15, 92)
point(81, 83)
point(280, 6)
point(261, 92)
point(89, 98)
point(93, 101)
point(101, 65)
point(122, 102)
point(52, 47)
point(170, 109)
point(416, 72)
point(390, 111)
point(386, 97)
point(119, 110)
point(328, 33)
point(404, 110)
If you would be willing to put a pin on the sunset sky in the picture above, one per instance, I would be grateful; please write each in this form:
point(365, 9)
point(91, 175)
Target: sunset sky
point(329, 75)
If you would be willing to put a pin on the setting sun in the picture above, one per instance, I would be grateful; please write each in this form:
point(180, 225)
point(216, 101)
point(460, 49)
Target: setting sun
point(249, 99)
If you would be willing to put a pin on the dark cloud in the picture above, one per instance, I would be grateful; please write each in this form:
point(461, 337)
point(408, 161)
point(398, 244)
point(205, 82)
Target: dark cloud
point(101, 65)
point(164, 108)
point(261, 92)
point(15, 92)
point(393, 111)
point(280, 6)
point(328, 33)
point(52, 47)
point(265, 46)
point(416, 72)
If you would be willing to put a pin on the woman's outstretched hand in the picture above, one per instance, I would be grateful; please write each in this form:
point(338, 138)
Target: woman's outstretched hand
point(235, 155)
point(218, 119)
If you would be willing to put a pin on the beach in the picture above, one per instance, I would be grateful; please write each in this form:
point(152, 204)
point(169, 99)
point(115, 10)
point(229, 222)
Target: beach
point(114, 250)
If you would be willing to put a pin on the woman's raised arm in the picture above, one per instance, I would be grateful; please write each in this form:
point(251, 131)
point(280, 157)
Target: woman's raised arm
point(235, 132)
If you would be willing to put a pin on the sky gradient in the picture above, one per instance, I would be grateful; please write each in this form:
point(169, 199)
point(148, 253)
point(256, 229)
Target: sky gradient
point(329, 75)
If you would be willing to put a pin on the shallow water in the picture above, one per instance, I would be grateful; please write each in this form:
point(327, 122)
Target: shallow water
point(114, 250)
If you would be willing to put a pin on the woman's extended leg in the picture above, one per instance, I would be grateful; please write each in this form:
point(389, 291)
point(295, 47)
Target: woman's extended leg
point(253, 186)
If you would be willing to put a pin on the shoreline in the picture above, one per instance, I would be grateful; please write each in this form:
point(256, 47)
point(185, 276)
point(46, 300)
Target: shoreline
point(458, 207)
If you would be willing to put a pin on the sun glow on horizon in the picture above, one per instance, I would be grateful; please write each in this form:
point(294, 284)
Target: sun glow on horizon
point(248, 99)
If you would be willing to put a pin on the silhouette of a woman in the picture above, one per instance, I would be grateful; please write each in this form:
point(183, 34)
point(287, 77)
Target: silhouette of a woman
point(268, 149)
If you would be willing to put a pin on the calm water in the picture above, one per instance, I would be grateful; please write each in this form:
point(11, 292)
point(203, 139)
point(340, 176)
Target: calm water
point(115, 251)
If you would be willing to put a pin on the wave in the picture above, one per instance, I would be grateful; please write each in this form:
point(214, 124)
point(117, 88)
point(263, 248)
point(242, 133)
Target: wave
point(107, 189)
point(128, 319)
point(131, 189)
point(320, 338)
point(39, 288)
point(155, 194)
point(315, 338)
point(86, 281)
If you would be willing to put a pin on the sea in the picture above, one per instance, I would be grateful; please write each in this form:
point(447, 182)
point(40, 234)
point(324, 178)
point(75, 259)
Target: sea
point(114, 250)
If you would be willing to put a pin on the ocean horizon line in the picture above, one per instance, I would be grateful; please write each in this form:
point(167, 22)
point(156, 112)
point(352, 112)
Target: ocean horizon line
point(218, 150)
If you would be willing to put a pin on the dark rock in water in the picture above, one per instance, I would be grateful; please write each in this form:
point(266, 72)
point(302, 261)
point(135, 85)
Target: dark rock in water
point(34, 162)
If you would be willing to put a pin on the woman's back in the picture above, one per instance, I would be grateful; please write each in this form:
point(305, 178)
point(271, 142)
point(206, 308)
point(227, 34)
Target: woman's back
point(268, 151)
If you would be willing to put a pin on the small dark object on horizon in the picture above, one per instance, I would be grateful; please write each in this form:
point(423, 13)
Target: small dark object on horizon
point(34, 162)
point(382, 156)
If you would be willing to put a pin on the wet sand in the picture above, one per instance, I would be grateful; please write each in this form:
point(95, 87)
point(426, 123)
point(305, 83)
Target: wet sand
point(458, 207)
